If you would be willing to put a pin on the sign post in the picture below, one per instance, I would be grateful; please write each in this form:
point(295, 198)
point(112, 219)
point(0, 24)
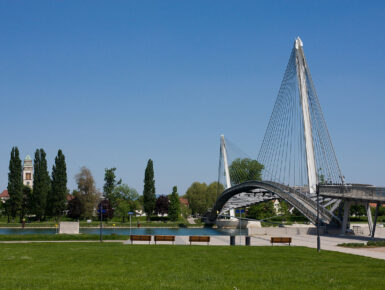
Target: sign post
point(130, 213)
point(240, 211)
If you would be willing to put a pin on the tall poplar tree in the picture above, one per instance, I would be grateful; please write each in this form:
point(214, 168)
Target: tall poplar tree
point(56, 202)
point(174, 207)
point(110, 182)
point(149, 198)
point(15, 183)
point(41, 184)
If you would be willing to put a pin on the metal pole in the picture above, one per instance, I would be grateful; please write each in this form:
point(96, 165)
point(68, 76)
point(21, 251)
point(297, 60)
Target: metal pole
point(130, 225)
point(240, 220)
point(101, 222)
point(318, 237)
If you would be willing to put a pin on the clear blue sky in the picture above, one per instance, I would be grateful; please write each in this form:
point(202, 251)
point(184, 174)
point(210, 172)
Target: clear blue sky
point(114, 83)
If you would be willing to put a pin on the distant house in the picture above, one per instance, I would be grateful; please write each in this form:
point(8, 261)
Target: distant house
point(69, 197)
point(183, 201)
point(4, 196)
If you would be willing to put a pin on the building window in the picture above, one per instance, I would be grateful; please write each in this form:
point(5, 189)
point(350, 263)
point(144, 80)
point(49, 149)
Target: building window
point(28, 176)
point(27, 182)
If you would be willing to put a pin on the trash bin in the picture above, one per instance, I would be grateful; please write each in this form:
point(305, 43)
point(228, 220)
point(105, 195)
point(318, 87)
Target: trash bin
point(247, 241)
point(232, 240)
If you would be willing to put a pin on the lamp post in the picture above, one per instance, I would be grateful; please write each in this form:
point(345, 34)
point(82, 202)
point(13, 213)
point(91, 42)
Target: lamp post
point(101, 220)
point(130, 213)
point(318, 237)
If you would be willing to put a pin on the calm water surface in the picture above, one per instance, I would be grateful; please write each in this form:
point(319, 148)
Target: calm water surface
point(135, 231)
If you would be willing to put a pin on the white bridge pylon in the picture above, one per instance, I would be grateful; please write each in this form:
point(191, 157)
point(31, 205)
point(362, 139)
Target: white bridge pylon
point(296, 151)
point(226, 167)
point(307, 128)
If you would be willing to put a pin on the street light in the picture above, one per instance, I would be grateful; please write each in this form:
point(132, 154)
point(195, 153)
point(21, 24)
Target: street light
point(318, 237)
point(101, 211)
point(130, 213)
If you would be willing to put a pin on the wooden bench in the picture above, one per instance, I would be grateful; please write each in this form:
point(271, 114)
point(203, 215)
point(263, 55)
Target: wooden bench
point(145, 238)
point(284, 240)
point(164, 239)
point(202, 239)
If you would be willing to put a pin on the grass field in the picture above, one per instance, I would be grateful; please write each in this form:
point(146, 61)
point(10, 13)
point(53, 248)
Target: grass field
point(117, 266)
point(155, 222)
point(61, 237)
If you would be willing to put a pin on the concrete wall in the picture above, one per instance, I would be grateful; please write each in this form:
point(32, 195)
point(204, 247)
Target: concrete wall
point(69, 228)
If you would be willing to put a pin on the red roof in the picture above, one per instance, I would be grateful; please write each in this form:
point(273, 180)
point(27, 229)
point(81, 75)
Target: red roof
point(183, 201)
point(70, 197)
point(4, 194)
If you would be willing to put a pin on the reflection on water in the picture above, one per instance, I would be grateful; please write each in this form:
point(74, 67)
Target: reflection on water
point(135, 231)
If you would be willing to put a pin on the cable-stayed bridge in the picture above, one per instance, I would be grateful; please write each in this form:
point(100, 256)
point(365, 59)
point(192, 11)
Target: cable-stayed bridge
point(296, 157)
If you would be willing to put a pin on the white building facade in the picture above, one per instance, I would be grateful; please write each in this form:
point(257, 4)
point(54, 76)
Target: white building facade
point(28, 172)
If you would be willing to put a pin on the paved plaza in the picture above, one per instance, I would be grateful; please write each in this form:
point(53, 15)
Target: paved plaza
point(327, 243)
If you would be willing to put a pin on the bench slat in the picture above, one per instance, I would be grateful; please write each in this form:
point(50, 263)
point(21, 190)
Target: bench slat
point(146, 238)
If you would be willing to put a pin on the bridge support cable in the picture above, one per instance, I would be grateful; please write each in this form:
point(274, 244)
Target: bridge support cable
point(296, 152)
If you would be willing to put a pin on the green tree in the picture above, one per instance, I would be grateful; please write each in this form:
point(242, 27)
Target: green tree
point(88, 194)
point(174, 207)
point(15, 184)
point(125, 206)
point(123, 192)
point(74, 206)
point(196, 196)
point(126, 200)
point(261, 210)
point(57, 197)
point(110, 182)
point(27, 205)
point(161, 205)
point(201, 197)
point(213, 190)
point(242, 170)
point(41, 184)
point(149, 197)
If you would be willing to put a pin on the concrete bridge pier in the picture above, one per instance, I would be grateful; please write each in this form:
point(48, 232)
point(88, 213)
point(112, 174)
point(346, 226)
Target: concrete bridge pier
point(345, 219)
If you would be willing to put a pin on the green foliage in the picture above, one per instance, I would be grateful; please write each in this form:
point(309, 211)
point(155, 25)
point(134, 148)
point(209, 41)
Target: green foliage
point(161, 205)
point(15, 184)
point(123, 192)
point(57, 197)
point(149, 198)
point(245, 169)
point(174, 207)
point(352, 245)
point(125, 199)
point(27, 203)
point(369, 244)
point(75, 206)
point(110, 183)
point(357, 210)
point(88, 195)
point(41, 184)
point(202, 197)
point(261, 210)
point(376, 243)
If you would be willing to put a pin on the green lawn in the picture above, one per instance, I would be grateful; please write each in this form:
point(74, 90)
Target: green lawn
point(117, 266)
point(155, 222)
point(61, 237)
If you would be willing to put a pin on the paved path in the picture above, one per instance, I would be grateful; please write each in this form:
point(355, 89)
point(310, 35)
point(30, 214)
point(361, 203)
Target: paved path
point(327, 243)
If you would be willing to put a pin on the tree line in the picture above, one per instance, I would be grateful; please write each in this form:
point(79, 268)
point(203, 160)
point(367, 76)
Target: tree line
point(48, 194)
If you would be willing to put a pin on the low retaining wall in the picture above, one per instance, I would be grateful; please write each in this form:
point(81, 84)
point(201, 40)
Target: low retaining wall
point(69, 228)
point(289, 231)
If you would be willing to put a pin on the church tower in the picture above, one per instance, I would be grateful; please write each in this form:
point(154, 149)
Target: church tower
point(28, 172)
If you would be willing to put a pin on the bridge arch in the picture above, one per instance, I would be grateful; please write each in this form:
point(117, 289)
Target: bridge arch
point(302, 203)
